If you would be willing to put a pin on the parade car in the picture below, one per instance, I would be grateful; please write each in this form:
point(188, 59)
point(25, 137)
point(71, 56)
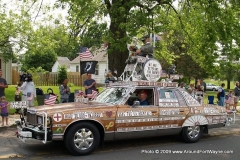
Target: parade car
point(85, 124)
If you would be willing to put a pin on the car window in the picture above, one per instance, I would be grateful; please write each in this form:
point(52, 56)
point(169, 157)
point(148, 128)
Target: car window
point(168, 98)
point(189, 99)
point(115, 95)
point(134, 96)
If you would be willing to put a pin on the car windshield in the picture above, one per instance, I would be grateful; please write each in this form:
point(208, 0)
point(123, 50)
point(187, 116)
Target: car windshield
point(114, 95)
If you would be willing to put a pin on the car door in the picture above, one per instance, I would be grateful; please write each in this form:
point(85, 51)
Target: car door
point(137, 121)
point(172, 111)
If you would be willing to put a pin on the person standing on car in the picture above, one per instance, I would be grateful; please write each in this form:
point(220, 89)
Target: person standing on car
point(236, 95)
point(221, 95)
point(64, 92)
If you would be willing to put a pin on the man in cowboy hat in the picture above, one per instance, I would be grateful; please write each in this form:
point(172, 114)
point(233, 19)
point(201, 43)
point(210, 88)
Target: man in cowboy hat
point(146, 49)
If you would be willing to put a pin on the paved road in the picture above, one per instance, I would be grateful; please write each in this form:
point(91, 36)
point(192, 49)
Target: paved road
point(167, 147)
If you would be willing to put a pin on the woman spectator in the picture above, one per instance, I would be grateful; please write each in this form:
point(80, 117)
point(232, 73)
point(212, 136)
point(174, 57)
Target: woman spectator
point(64, 92)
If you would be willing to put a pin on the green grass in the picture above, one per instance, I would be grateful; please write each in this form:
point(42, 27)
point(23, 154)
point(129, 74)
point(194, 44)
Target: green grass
point(10, 92)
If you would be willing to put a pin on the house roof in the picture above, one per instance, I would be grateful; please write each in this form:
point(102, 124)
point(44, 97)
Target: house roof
point(63, 61)
point(100, 55)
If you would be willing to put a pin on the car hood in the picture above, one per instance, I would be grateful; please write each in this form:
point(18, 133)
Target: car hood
point(66, 107)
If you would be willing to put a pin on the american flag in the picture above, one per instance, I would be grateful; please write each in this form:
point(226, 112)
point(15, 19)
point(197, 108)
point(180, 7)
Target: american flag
point(85, 53)
point(51, 100)
point(93, 95)
point(115, 71)
point(29, 96)
point(81, 93)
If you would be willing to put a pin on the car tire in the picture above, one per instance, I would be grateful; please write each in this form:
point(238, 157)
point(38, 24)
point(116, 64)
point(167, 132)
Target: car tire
point(192, 134)
point(82, 139)
point(214, 89)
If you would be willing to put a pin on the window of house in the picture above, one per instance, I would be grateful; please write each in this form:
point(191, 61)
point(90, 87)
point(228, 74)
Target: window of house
point(97, 70)
point(77, 68)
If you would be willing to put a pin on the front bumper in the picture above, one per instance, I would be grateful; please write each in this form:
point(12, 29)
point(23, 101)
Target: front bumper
point(31, 132)
point(26, 131)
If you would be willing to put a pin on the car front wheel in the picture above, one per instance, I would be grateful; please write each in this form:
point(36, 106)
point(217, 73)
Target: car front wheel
point(214, 89)
point(192, 134)
point(82, 139)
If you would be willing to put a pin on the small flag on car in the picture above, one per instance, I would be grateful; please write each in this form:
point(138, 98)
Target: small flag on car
point(50, 100)
point(93, 95)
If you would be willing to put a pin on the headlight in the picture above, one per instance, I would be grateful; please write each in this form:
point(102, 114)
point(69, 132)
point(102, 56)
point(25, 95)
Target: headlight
point(40, 120)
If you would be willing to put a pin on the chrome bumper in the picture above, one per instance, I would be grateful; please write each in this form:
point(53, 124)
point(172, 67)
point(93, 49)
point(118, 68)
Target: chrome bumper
point(40, 132)
point(231, 117)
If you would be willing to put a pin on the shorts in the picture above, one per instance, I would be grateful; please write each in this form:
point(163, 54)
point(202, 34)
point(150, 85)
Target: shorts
point(236, 99)
point(4, 114)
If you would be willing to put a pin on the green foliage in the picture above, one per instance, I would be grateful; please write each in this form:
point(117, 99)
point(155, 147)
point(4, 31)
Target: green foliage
point(35, 72)
point(70, 84)
point(13, 29)
point(62, 74)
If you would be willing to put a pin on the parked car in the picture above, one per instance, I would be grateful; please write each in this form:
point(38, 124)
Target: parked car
point(84, 125)
point(212, 87)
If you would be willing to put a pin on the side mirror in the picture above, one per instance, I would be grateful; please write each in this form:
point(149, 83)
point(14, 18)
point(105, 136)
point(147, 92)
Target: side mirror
point(136, 103)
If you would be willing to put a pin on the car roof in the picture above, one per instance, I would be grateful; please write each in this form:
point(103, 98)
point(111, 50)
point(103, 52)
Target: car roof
point(145, 83)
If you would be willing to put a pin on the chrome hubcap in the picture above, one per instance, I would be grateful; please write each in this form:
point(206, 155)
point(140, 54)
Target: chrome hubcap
point(83, 139)
point(193, 131)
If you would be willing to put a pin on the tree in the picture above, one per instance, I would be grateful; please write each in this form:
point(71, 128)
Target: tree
point(13, 32)
point(126, 17)
point(62, 74)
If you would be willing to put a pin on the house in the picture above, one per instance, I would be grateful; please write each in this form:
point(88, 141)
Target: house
point(100, 55)
point(17, 67)
point(6, 68)
point(61, 61)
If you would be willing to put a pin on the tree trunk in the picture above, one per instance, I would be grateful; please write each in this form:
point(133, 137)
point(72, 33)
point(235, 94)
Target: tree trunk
point(228, 84)
point(117, 48)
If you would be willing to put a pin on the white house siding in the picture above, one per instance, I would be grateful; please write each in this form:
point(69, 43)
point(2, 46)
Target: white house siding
point(7, 71)
point(100, 78)
point(73, 67)
point(55, 67)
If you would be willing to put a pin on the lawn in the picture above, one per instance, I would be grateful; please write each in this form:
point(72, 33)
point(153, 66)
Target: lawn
point(10, 92)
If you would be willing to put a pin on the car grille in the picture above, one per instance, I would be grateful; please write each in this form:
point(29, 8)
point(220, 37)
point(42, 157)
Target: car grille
point(31, 119)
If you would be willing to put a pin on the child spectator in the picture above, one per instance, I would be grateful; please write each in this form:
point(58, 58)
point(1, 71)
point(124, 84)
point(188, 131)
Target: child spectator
point(4, 110)
point(230, 100)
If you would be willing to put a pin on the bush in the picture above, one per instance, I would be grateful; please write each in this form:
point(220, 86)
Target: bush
point(62, 74)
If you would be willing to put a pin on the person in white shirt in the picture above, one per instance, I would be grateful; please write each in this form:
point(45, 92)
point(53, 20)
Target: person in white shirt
point(28, 90)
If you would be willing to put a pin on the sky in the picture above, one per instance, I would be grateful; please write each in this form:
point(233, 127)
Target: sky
point(36, 17)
